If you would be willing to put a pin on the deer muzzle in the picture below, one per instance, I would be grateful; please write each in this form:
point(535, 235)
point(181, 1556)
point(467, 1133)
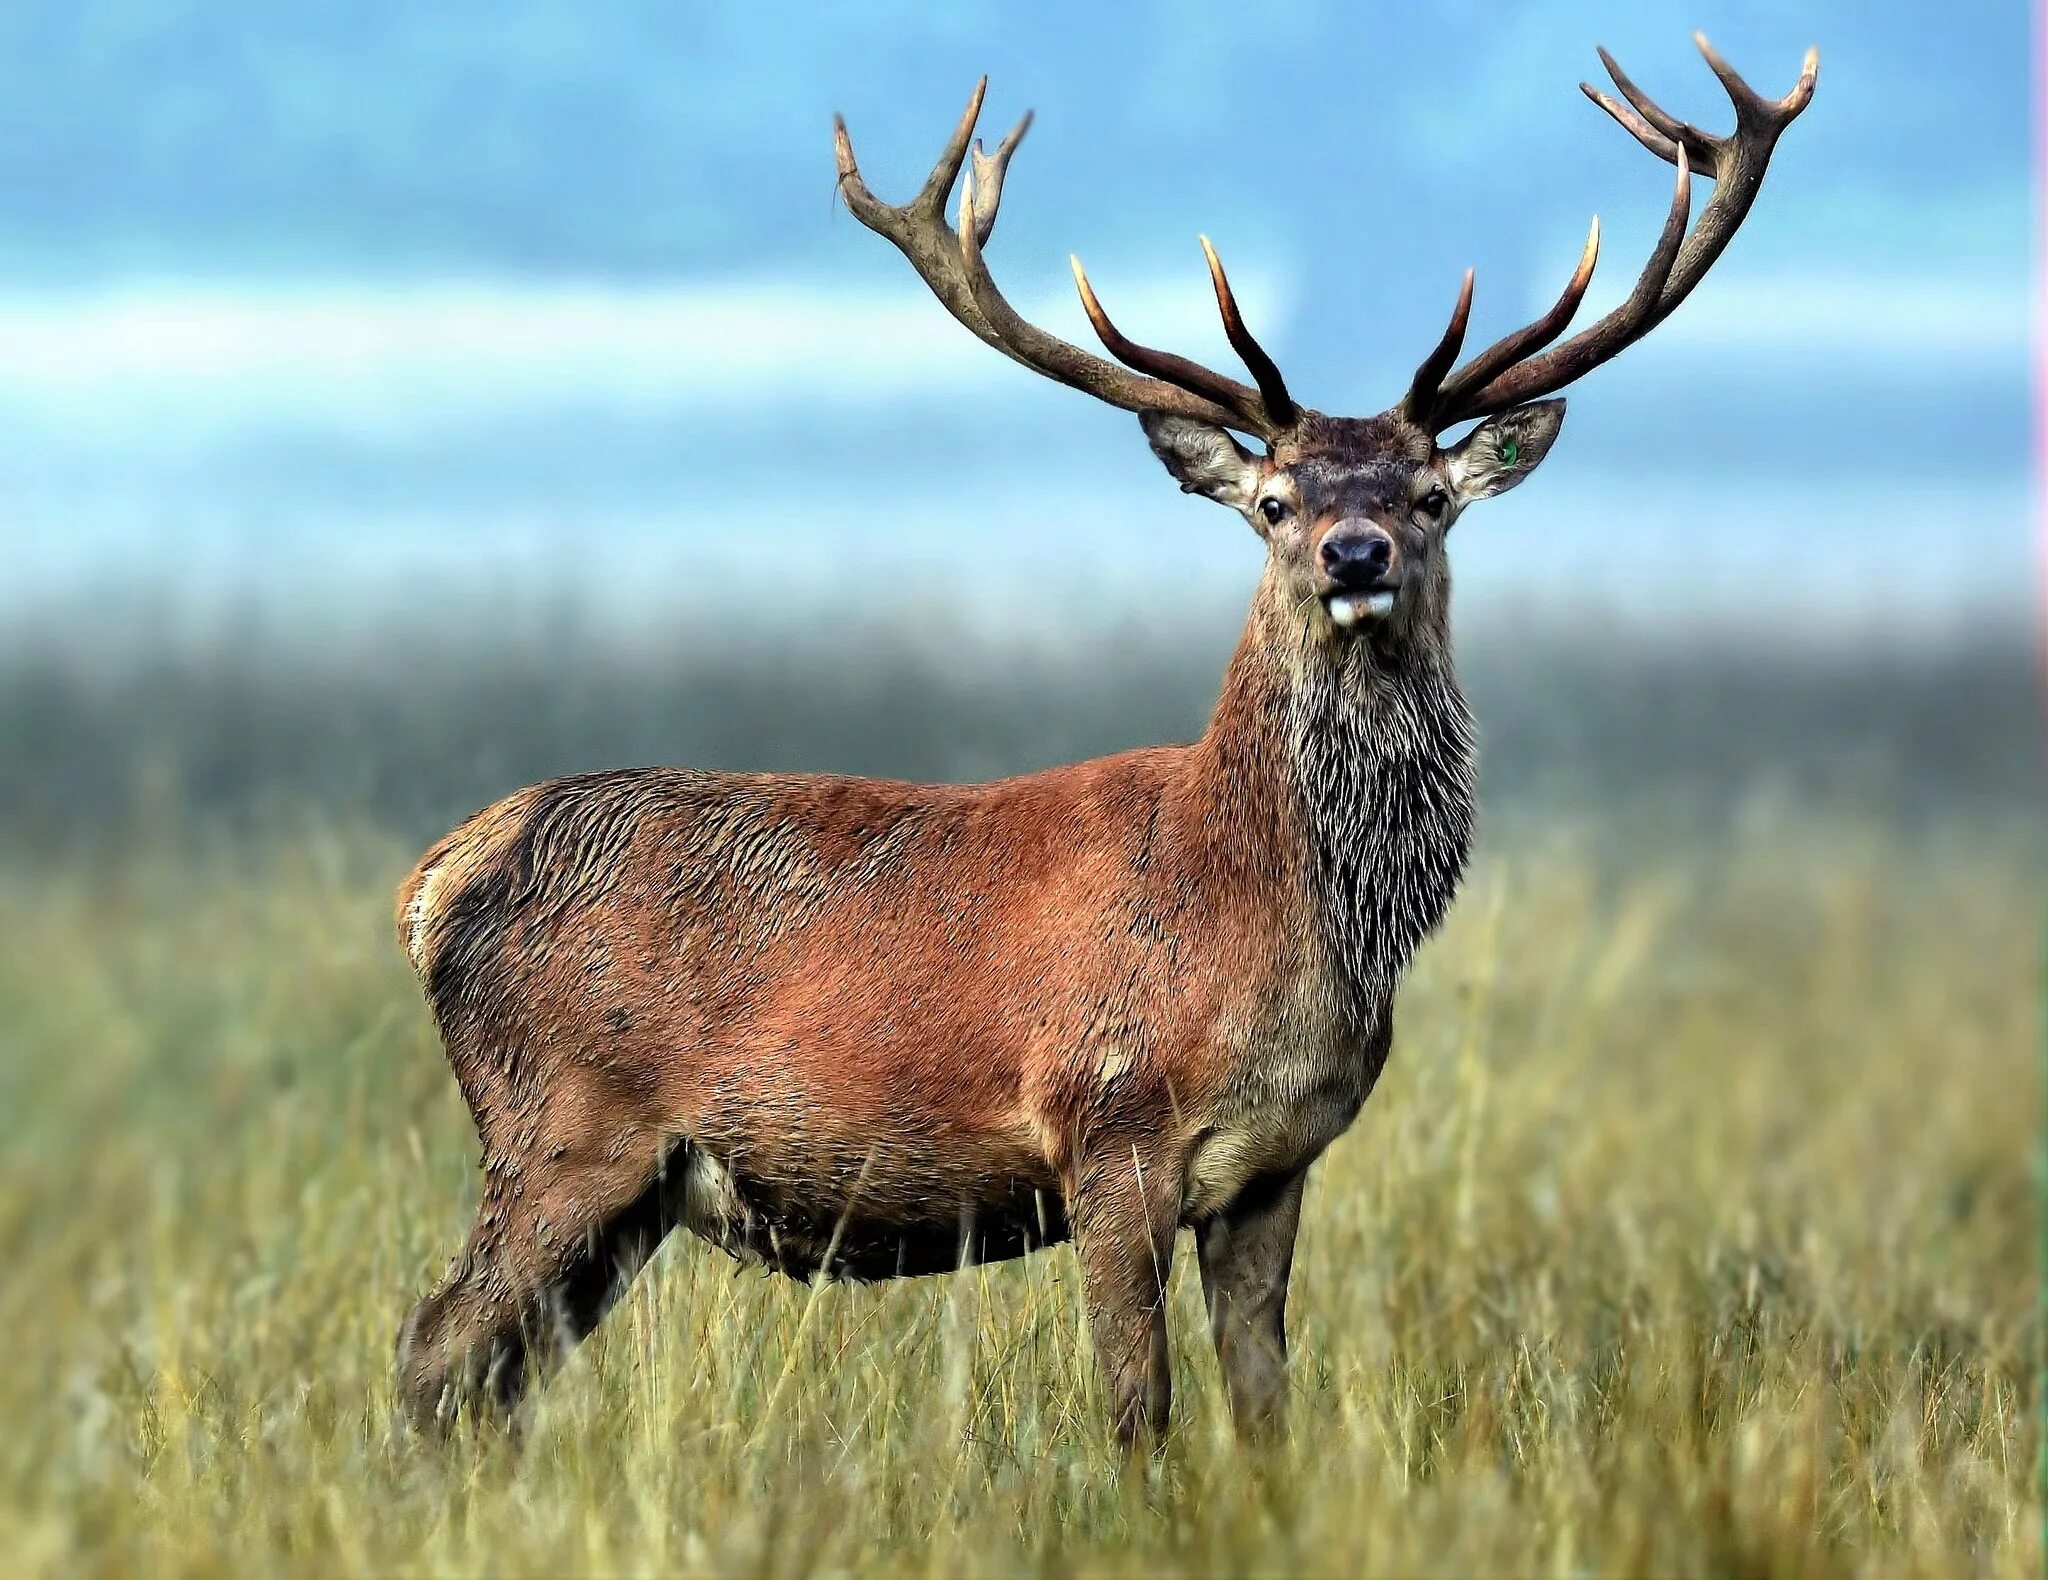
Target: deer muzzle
point(1359, 568)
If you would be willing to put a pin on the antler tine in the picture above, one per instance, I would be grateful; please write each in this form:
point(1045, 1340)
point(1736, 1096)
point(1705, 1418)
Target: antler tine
point(1748, 102)
point(939, 183)
point(951, 265)
point(1552, 370)
point(1156, 380)
point(1189, 375)
point(918, 229)
point(1665, 148)
point(1510, 349)
point(1736, 163)
point(1650, 288)
point(988, 178)
point(1802, 90)
point(1697, 143)
point(1659, 131)
point(1279, 405)
point(931, 197)
point(1421, 398)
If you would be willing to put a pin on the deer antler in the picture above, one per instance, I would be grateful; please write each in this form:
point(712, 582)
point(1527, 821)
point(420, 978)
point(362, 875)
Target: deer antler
point(1509, 372)
point(951, 264)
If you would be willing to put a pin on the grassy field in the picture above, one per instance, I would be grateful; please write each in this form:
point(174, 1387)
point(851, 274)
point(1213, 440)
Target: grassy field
point(1692, 1231)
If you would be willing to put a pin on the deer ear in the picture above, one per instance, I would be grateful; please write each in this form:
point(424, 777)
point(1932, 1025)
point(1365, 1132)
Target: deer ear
point(1203, 459)
point(1502, 450)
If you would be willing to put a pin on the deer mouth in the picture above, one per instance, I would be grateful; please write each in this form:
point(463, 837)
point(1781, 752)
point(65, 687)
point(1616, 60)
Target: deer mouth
point(1348, 609)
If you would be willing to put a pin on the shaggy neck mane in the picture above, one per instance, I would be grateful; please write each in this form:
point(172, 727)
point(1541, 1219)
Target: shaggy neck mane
point(1353, 767)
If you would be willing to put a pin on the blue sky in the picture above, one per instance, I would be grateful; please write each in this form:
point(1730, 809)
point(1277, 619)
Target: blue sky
point(385, 304)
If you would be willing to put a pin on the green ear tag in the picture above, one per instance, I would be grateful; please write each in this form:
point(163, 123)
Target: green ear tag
point(1508, 451)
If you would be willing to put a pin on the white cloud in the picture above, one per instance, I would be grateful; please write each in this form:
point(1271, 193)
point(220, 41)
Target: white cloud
point(394, 358)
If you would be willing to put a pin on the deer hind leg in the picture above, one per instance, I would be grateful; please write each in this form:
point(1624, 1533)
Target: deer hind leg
point(543, 1263)
point(1124, 1212)
point(1247, 1253)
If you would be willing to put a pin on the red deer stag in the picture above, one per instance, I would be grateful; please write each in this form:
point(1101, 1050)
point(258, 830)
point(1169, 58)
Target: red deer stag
point(866, 1029)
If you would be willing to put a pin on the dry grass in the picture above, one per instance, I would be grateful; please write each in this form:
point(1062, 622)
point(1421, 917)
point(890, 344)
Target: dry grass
point(1692, 1231)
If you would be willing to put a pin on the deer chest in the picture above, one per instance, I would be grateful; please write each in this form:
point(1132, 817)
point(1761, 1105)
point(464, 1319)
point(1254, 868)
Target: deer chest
point(1291, 1089)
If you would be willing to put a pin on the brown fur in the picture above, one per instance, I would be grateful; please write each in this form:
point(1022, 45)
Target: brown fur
point(868, 1028)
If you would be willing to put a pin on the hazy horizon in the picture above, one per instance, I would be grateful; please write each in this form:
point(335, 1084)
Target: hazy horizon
point(434, 319)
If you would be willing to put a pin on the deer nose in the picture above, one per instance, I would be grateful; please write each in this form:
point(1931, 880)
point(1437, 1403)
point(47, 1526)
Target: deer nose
point(1357, 555)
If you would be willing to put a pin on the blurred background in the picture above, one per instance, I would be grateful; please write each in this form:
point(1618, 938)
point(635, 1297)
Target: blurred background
point(399, 403)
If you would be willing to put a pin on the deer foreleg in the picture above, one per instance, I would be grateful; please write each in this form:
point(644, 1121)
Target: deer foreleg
point(1246, 1253)
point(1124, 1213)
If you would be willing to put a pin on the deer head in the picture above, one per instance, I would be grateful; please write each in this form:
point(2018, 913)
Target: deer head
point(1354, 511)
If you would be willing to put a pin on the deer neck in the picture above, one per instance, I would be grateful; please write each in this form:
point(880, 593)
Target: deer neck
point(1345, 768)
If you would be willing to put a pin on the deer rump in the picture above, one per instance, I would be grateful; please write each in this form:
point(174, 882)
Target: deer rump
point(854, 1025)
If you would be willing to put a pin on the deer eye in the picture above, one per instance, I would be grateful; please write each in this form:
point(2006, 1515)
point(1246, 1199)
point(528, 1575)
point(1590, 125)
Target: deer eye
point(1434, 503)
point(1272, 509)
